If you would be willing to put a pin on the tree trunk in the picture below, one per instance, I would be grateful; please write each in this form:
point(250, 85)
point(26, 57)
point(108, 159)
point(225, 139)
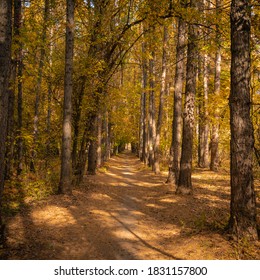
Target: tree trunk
point(214, 161)
point(203, 156)
point(175, 150)
point(49, 98)
point(77, 109)
point(18, 79)
point(151, 115)
point(5, 70)
point(48, 121)
point(82, 157)
point(242, 223)
point(66, 161)
point(38, 85)
point(108, 137)
point(203, 143)
point(92, 152)
point(144, 157)
point(9, 155)
point(99, 140)
point(184, 182)
point(161, 103)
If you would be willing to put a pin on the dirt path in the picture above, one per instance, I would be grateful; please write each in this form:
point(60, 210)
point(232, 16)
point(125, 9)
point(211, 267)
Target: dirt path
point(128, 213)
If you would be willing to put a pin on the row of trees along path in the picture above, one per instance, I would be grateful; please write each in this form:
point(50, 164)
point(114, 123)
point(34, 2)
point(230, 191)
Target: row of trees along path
point(80, 79)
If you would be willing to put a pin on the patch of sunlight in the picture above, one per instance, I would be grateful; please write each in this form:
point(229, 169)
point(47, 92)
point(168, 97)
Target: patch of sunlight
point(212, 198)
point(136, 199)
point(168, 200)
point(99, 196)
point(128, 173)
point(154, 206)
point(112, 174)
point(53, 215)
point(100, 213)
point(124, 234)
point(149, 184)
point(135, 212)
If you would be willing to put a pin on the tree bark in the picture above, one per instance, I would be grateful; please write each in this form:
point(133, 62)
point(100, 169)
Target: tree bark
point(108, 136)
point(151, 115)
point(20, 118)
point(175, 150)
point(18, 80)
point(144, 127)
point(203, 135)
point(9, 155)
point(184, 182)
point(5, 71)
point(48, 150)
point(161, 103)
point(214, 161)
point(203, 153)
point(66, 160)
point(77, 110)
point(82, 155)
point(92, 153)
point(39, 84)
point(99, 139)
point(242, 223)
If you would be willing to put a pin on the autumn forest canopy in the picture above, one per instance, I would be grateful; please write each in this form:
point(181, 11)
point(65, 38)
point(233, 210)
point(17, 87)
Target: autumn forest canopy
point(177, 82)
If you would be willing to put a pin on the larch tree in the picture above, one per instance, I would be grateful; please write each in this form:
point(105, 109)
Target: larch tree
point(184, 181)
point(66, 158)
point(5, 70)
point(242, 223)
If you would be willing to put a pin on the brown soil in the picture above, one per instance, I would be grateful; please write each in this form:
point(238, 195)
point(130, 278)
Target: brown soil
point(126, 212)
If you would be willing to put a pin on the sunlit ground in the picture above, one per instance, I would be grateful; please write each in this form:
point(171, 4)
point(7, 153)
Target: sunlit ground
point(127, 212)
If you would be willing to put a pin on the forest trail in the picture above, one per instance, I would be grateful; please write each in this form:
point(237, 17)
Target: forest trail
point(126, 212)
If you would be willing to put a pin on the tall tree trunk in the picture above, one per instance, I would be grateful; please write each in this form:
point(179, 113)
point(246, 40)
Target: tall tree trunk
point(151, 115)
point(5, 70)
point(38, 85)
point(203, 146)
point(144, 127)
point(77, 109)
point(66, 161)
point(175, 150)
point(82, 154)
point(99, 139)
point(161, 103)
point(9, 155)
point(19, 74)
point(214, 160)
point(16, 65)
point(48, 121)
point(242, 221)
point(184, 182)
point(108, 136)
point(203, 118)
point(92, 152)
point(49, 96)
point(20, 117)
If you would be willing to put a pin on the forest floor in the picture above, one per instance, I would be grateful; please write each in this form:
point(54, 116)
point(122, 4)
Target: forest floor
point(127, 212)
